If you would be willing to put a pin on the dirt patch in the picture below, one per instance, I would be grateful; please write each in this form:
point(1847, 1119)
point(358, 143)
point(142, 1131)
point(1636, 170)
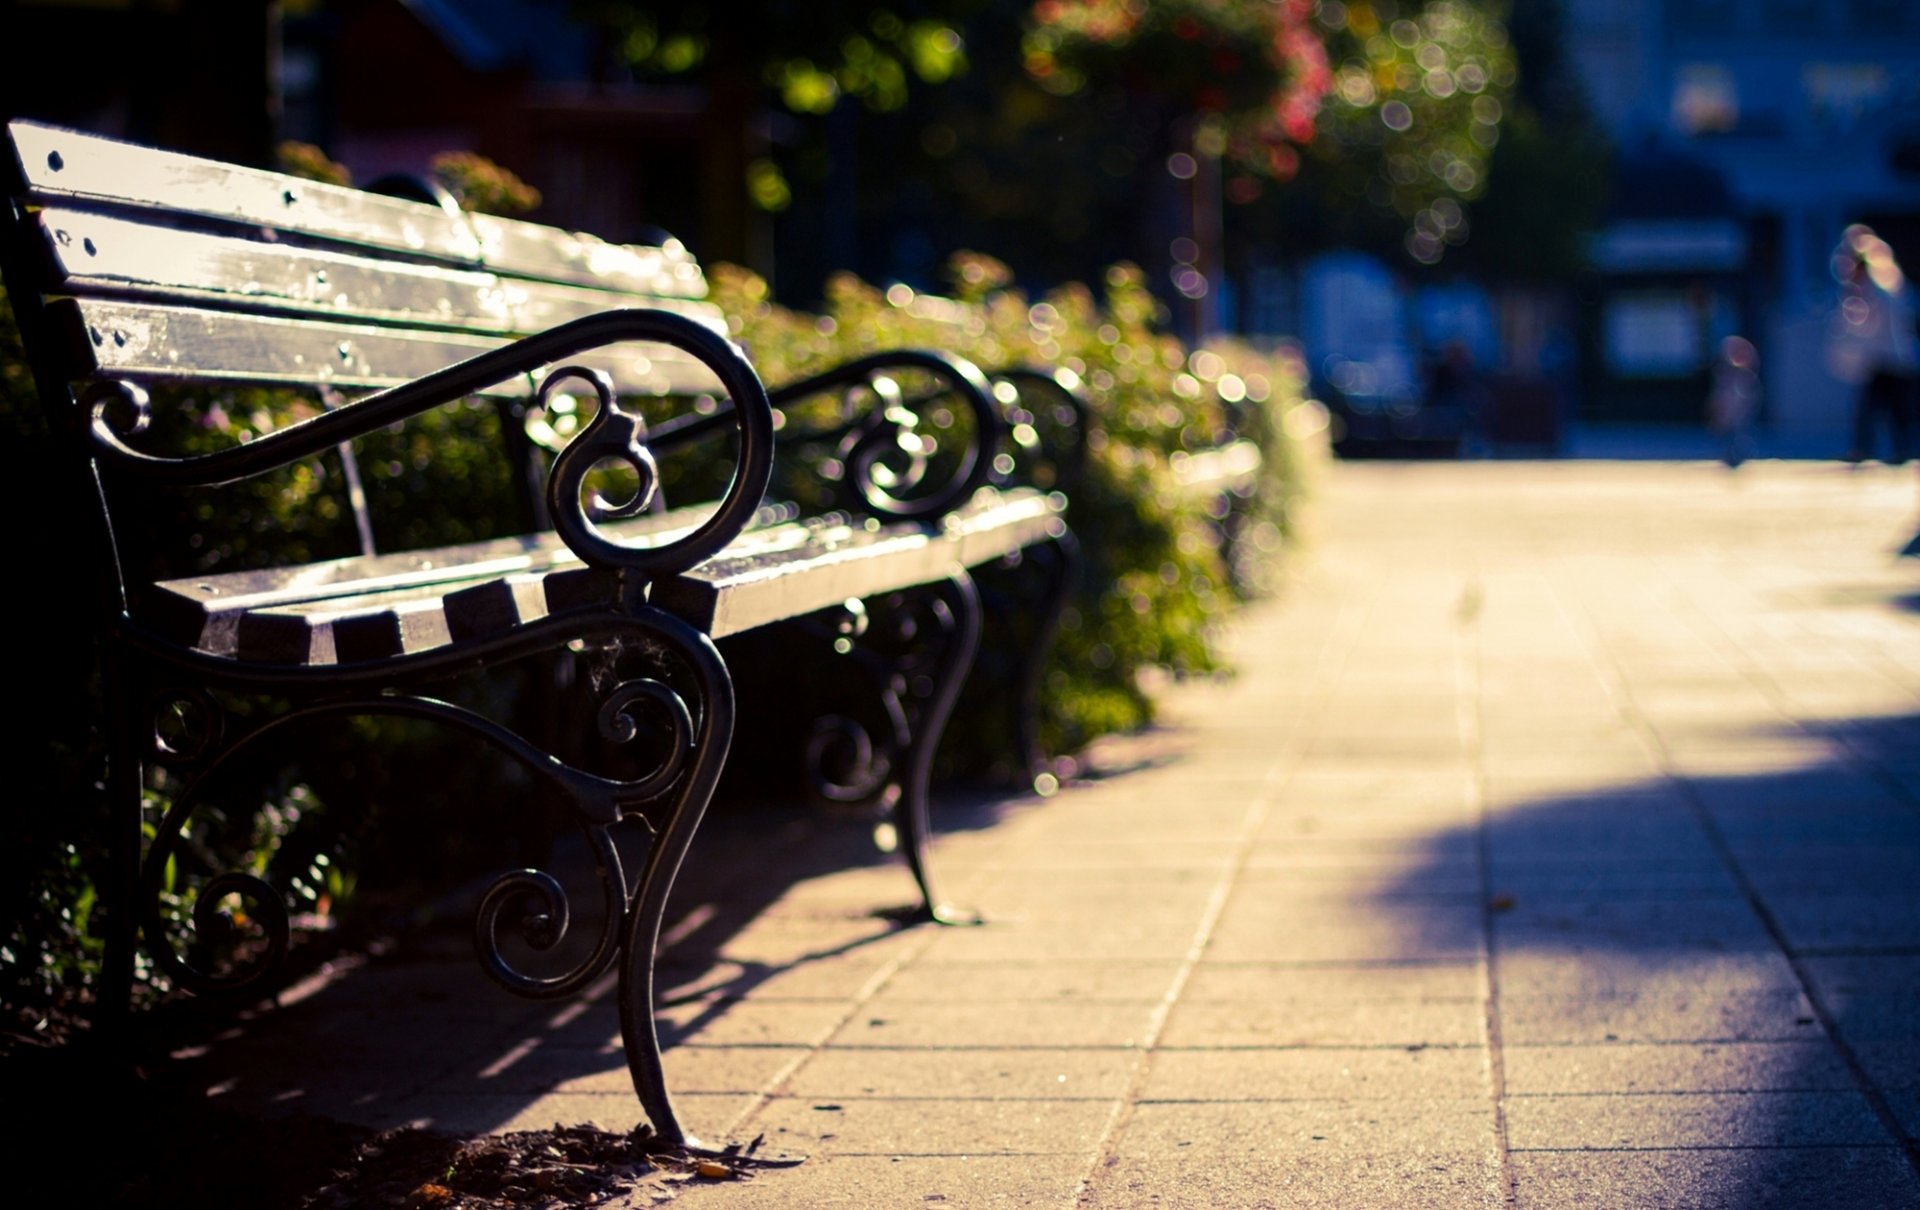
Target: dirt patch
point(90, 1134)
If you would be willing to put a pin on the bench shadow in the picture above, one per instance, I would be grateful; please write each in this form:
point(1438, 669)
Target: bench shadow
point(414, 1033)
point(1733, 960)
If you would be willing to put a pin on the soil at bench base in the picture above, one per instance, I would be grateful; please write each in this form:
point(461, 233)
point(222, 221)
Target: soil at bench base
point(565, 1166)
point(83, 1136)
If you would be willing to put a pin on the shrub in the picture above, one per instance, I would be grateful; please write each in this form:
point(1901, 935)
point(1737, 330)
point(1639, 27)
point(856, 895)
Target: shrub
point(1158, 580)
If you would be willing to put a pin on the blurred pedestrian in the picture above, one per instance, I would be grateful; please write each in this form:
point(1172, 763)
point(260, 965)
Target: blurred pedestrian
point(1872, 345)
point(1455, 393)
point(1734, 398)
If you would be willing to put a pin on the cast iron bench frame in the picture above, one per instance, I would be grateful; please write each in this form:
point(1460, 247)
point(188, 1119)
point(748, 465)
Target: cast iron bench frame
point(128, 267)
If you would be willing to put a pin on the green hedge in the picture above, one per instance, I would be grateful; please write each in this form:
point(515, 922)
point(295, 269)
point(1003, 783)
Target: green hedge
point(1159, 580)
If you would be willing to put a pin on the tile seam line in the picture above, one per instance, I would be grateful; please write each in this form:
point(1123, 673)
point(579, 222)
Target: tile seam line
point(1349, 620)
point(1469, 711)
point(1708, 1148)
point(776, 1084)
point(1622, 692)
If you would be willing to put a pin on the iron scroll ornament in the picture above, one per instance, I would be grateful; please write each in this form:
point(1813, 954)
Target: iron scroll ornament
point(266, 909)
point(118, 410)
point(880, 449)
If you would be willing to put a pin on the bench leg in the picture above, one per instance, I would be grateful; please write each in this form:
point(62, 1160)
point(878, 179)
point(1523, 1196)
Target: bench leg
point(955, 607)
point(713, 733)
point(125, 774)
point(1062, 578)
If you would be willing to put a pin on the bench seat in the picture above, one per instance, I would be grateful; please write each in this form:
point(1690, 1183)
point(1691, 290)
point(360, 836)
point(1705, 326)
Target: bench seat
point(380, 606)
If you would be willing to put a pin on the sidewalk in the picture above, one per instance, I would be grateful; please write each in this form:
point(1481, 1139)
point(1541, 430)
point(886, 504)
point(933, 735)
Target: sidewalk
point(1557, 844)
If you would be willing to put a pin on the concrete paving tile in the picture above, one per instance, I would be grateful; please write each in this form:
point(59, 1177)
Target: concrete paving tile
point(1042, 905)
point(1658, 1017)
point(1636, 923)
point(1719, 1067)
point(1325, 885)
point(1297, 1180)
point(1586, 876)
point(835, 977)
point(889, 1022)
point(745, 1022)
point(1830, 786)
point(938, 1125)
point(1662, 839)
point(1143, 936)
point(1525, 973)
point(1443, 862)
point(1219, 815)
point(970, 1074)
point(1366, 787)
point(1315, 1074)
point(1645, 1121)
point(1282, 930)
point(1336, 823)
point(1864, 1017)
point(1281, 1023)
point(702, 1069)
point(1881, 872)
point(1906, 1108)
point(1259, 983)
point(1441, 850)
point(932, 980)
point(776, 940)
point(1849, 921)
point(1124, 855)
point(1889, 1064)
point(830, 1180)
point(1407, 1125)
point(1722, 1179)
point(1702, 760)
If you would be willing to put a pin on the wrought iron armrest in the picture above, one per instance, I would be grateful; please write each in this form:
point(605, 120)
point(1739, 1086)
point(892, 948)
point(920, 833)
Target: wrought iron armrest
point(119, 410)
point(883, 455)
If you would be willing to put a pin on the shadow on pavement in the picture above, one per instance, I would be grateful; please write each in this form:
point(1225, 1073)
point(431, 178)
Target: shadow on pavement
point(1706, 985)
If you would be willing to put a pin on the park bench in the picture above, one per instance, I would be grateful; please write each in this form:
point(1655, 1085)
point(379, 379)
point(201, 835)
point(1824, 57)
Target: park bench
point(140, 277)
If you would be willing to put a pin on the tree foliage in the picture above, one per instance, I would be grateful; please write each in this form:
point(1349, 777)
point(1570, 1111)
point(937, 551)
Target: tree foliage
point(809, 53)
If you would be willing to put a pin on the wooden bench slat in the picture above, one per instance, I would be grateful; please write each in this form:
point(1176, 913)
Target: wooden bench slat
point(206, 612)
point(146, 341)
point(531, 250)
point(58, 164)
point(97, 253)
point(374, 607)
point(743, 589)
point(94, 253)
point(1230, 467)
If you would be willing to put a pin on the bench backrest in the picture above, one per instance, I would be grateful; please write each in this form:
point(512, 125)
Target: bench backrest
point(161, 266)
point(130, 265)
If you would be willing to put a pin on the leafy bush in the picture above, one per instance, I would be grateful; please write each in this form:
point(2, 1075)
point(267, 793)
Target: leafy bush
point(1157, 579)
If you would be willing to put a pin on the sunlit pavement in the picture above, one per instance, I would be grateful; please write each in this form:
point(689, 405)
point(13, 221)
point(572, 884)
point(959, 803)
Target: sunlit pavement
point(1557, 844)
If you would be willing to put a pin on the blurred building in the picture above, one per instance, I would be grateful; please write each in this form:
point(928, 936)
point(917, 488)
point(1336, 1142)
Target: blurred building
point(1750, 133)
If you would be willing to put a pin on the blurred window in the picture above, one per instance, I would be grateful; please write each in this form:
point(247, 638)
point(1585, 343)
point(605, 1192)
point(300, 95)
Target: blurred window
point(1840, 94)
point(1706, 99)
point(1881, 16)
point(1653, 334)
point(1792, 16)
point(1702, 16)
